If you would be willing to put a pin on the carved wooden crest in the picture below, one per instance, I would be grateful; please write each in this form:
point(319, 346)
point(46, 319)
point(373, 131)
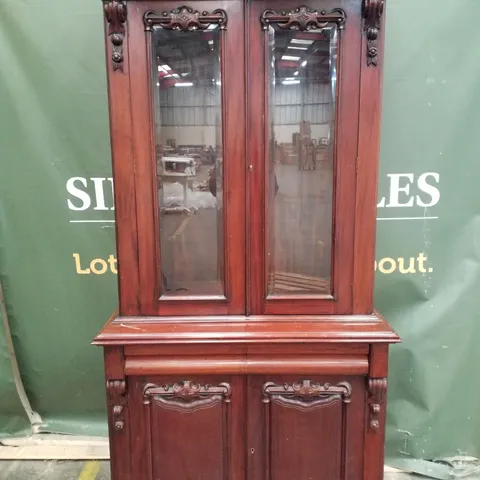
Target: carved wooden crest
point(303, 18)
point(372, 13)
point(187, 396)
point(185, 19)
point(306, 395)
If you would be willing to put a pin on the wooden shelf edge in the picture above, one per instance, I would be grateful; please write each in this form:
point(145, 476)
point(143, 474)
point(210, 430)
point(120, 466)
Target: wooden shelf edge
point(246, 330)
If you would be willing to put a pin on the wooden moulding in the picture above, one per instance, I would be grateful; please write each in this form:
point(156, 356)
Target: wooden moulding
point(246, 365)
point(284, 329)
point(295, 349)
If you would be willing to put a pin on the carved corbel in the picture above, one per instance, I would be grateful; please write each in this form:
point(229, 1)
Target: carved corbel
point(116, 16)
point(372, 14)
point(377, 391)
point(117, 402)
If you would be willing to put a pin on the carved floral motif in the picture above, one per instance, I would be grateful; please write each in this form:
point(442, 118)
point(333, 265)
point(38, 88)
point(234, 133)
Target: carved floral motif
point(303, 18)
point(186, 395)
point(116, 16)
point(372, 14)
point(306, 395)
point(185, 19)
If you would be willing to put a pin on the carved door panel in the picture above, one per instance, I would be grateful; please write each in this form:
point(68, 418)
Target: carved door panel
point(188, 428)
point(305, 428)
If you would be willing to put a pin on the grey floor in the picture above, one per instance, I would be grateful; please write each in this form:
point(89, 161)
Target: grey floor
point(54, 470)
point(92, 470)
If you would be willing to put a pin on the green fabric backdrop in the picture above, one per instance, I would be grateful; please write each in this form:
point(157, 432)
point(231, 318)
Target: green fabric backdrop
point(55, 174)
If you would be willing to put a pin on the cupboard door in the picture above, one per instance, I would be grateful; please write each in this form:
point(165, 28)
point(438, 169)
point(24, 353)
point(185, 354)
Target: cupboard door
point(188, 96)
point(305, 428)
point(303, 104)
point(187, 428)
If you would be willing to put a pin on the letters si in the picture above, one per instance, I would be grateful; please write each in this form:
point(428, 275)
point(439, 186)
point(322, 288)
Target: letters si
point(87, 192)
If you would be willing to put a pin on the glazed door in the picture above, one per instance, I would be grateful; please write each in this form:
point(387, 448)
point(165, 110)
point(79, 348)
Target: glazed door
point(188, 79)
point(303, 100)
point(302, 427)
point(245, 134)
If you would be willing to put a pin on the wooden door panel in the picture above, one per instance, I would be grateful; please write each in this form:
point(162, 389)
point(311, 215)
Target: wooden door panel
point(306, 428)
point(290, 427)
point(189, 441)
point(191, 428)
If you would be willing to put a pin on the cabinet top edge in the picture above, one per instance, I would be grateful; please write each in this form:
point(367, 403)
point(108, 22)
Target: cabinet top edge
point(247, 330)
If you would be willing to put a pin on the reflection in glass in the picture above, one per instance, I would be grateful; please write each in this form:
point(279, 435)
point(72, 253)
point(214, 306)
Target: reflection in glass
point(300, 152)
point(188, 131)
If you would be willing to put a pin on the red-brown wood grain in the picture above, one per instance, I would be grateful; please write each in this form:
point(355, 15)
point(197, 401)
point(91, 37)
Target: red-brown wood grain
point(124, 178)
point(344, 179)
point(213, 360)
point(247, 365)
point(374, 427)
point(233, 121)
point(114, 363)
point(356, 169)
point(325, 437)
point(200, 437)
point(378, 360)
point(235, 329)
point(255, 100)
point(116, 389)
point(367, 179)
point(361, 349)
point(145, 181)
point(375, 437)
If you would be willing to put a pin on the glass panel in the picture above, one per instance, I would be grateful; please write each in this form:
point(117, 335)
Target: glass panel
point(188, 132)
point(300, 153)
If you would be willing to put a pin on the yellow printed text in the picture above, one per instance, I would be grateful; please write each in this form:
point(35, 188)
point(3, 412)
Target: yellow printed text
point(97, 266)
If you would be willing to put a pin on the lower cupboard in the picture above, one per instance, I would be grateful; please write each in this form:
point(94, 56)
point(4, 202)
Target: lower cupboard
point(258, 427)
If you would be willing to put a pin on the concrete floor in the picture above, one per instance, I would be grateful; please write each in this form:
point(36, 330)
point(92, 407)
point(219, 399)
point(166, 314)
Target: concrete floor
point(54, 470)
point(100, 470)
point(90, 470)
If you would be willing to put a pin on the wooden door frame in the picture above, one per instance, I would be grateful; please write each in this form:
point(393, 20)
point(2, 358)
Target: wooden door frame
point(139, 252)
point(346, 146)
point(133, 169)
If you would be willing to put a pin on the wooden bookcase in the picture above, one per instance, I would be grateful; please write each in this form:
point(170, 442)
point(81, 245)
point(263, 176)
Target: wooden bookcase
point(245, 140)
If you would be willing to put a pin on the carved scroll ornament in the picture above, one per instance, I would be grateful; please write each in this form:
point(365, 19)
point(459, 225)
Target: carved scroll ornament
point(117, 401)
point(187, 396)
point(185, 19)
point(116, 16)
point(306, 395)
point(303, 18)
point(377, 391)
point(372, 14)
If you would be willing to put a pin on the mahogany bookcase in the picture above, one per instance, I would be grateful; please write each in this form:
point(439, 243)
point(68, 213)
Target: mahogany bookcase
point(245, 144)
